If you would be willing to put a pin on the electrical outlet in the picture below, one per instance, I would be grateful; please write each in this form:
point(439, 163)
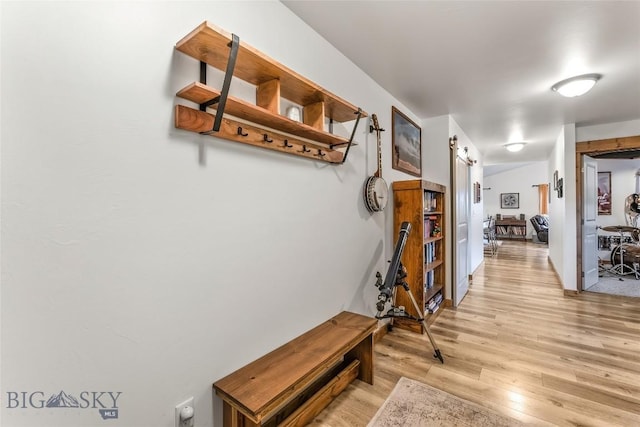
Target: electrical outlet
point(188, 423)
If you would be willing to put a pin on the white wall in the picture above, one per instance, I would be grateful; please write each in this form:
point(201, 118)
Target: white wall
point(623, 183)
point(608, 130)
point(435, 168)
point(142, 259)
point(519, 180)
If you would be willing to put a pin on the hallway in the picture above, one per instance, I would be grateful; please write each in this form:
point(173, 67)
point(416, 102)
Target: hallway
point(518, 346)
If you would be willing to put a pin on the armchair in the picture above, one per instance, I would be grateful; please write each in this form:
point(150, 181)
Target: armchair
point(541, 226)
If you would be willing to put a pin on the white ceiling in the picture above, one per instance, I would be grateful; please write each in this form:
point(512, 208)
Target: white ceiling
point(490, 65)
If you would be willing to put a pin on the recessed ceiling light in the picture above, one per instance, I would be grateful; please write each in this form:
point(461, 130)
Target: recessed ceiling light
point(576, 86)
point(514, 146)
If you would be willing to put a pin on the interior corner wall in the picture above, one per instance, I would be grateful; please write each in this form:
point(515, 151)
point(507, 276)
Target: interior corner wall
point(148, 261)
point(435, 161)
point(556, 208)
point(569, 224)
point(562, 218)
point(435, 168)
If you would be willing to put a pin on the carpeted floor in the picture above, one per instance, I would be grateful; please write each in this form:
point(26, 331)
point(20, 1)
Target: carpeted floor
point(412, 403)
point(629, 286)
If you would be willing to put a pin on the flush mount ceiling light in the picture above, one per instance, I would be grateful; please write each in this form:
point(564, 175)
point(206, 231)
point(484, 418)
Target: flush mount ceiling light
point(514, 146)
point(576, 86)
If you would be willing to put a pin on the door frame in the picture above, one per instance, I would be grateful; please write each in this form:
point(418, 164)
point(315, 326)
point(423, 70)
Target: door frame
point(594, 148)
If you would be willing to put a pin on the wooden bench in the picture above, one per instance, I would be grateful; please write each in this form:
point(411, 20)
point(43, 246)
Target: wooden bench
point(293, 383)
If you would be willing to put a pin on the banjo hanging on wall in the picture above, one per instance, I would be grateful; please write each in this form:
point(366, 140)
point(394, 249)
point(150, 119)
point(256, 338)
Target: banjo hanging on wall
point(376, 191)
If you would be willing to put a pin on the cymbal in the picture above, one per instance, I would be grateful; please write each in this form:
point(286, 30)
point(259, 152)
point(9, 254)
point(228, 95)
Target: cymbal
point(621, 229)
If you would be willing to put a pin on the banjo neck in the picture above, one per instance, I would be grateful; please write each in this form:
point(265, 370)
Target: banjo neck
point(376, 126)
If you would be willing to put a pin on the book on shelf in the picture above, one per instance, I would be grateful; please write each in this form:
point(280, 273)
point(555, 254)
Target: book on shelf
point(430, 202)
point(429, 278)
point(430, 254)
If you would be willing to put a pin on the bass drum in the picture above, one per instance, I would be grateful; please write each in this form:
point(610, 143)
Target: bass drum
point(630, 254)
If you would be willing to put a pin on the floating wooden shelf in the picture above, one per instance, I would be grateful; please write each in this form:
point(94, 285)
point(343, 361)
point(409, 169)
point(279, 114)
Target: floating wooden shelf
point(199, 93)
point(273, 81)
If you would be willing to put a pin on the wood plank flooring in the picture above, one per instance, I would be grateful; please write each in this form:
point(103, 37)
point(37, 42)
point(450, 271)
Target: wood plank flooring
point(518, 346)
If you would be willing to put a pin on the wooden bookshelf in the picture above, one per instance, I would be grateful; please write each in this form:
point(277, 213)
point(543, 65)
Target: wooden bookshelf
point(511, 229)
point(421, 203)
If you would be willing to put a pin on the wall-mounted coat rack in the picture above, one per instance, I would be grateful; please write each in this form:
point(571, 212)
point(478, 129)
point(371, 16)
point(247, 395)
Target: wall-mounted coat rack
point(261, 124)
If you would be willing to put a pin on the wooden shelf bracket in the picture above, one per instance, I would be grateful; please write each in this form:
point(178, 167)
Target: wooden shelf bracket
point(221, 99)
point(353, 133)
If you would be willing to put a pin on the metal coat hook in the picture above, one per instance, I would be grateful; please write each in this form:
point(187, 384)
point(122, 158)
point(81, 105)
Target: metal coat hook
point(242, 133)
point(286, 144)
point(304, 149)
point(267, 139)
point(320, 153)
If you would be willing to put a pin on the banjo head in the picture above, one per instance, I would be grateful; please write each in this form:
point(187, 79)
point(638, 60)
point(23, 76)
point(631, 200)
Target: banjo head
point(376, 194)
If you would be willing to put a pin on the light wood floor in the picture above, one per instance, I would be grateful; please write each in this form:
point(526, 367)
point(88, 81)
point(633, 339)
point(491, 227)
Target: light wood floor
point(517, 345)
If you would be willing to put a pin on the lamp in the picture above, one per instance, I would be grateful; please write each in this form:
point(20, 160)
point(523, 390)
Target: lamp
point(576, 86)
point(514, 146)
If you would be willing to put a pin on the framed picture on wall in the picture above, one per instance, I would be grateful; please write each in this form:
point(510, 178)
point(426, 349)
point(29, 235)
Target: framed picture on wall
point(604, 193)
point(510, 200)
point(406, 143)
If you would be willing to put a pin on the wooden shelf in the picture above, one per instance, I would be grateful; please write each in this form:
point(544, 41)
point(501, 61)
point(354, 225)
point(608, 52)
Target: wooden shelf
point(198, 121)
point(432, 292)
point(209, 44)
point(432, 265)
point(200, 93)
point(261, 124)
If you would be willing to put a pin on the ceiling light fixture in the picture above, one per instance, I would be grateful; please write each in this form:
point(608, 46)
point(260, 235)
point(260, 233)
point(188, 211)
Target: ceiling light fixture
point(514, 146)
point(576, 86)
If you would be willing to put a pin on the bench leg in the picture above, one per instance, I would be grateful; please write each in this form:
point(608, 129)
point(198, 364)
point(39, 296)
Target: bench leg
point(364, 353)
point(231, 417)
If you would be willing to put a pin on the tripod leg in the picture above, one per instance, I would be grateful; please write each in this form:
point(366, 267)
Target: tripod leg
point(437, 353)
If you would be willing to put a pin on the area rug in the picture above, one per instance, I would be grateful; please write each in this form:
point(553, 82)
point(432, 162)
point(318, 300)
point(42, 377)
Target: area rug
point(415, 404)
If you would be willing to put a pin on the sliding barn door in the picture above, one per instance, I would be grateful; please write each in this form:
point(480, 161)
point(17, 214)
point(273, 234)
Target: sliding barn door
point(460, 215)
point(590, 217)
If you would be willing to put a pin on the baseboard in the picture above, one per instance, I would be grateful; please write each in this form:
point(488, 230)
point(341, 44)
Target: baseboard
point(571, 293)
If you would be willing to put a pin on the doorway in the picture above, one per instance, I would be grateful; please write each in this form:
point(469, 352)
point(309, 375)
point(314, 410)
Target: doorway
point(623, 148)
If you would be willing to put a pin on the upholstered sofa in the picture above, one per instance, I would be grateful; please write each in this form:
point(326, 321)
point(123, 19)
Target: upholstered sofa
point(541, 226)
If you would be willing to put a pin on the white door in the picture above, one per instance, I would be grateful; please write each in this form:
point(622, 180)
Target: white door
point(590, 216)
point(461, 272)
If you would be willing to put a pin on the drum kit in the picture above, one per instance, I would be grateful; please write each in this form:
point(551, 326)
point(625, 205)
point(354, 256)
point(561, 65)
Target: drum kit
point(625, 257)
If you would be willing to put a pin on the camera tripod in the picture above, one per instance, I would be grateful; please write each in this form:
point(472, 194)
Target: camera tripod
point(399, 312)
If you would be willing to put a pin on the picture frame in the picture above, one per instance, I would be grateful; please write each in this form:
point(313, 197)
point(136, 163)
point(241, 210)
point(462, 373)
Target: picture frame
point(406, 144)
point(604, 193)
point(560, 188)
point(509, 200)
